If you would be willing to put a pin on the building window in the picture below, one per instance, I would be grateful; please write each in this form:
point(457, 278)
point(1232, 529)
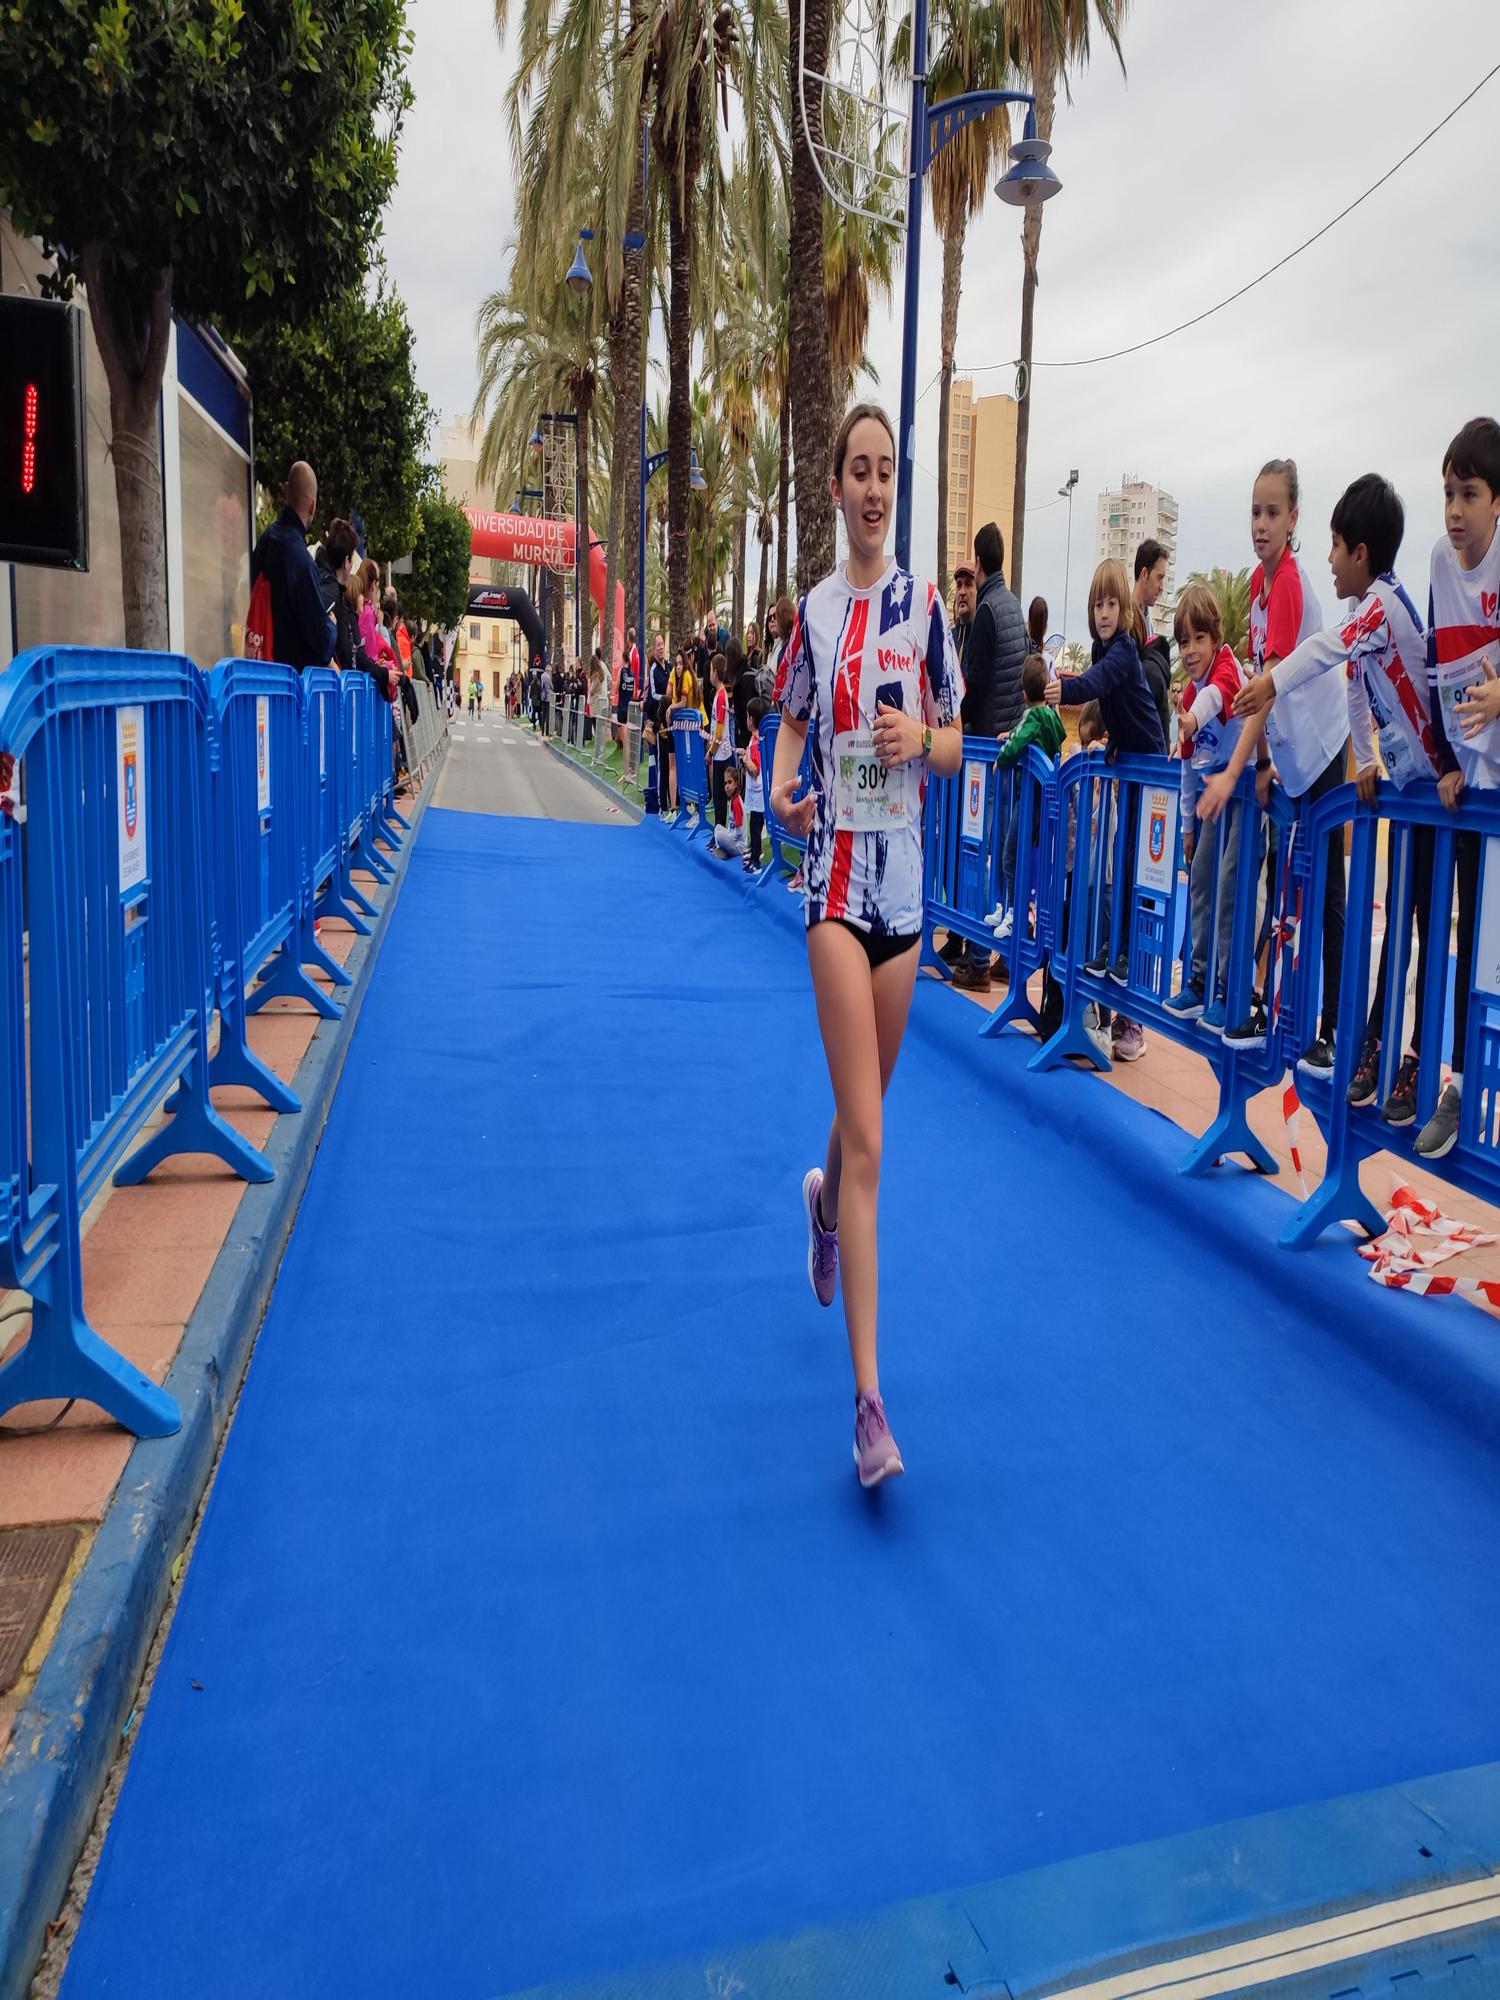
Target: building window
point(497, 683)
point(494, 638)
point(474, 631)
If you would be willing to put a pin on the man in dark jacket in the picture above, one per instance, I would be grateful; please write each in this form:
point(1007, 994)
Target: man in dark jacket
point(994, 655)
point(303, 632)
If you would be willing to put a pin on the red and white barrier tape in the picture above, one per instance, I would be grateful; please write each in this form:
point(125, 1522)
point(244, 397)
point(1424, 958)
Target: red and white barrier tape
point(1291, 1112)
point(1396, 1261)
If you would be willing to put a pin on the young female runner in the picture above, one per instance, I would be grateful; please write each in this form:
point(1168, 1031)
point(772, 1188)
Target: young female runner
point(870, 672)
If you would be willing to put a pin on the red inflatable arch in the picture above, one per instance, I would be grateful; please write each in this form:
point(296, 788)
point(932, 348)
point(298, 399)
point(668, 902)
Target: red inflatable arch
point(523, 538)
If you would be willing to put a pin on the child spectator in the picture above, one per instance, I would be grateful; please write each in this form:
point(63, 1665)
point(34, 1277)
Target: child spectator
point(1308, 735)
point(729, 838)
point(720, 748)
point(1129, 714)
point(1463, 644)
point(1207, 735)
point(1382, 642)
point(755, 788)
point(1042, 725)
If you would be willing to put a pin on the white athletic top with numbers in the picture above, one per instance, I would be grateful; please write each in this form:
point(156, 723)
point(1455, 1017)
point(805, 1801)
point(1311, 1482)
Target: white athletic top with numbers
point(1304, 732)
point(848, 649)
point(1385, 650)
point(1463, 623)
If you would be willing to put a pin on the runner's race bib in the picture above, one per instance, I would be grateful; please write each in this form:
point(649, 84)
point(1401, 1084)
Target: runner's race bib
point(1478, 756)
point(867, 797)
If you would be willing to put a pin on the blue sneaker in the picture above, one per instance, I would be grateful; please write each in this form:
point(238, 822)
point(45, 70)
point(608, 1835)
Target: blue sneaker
point(1212, 1020)
point(1186, 1005)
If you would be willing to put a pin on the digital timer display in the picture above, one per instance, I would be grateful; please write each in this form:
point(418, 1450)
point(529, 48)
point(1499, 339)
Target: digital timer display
point(43, 483)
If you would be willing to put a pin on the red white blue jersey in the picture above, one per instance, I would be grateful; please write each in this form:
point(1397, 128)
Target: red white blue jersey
point(849, 648)
point(1382, 644)
point(1305, 731)
point(1463, 621)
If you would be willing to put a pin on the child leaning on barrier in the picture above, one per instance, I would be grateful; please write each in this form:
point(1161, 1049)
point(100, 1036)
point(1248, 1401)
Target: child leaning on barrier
point(1207, 735)
point(754, 782)
point(1463, 647)
point(1042, 725)
point(729, 839)
point(1384, 646)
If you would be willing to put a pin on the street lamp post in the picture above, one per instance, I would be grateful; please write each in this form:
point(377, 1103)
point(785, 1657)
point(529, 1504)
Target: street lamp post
point(1066, 493)
point(1030, 179)
point(649, 469)
point(536, 493)
point(570, 417)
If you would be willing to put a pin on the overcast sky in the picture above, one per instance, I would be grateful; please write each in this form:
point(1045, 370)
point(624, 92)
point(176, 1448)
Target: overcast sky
point(1236, 132)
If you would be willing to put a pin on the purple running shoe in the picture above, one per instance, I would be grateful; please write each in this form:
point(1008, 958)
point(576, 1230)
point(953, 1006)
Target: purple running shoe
point(822, 1244)
point(875, 1451)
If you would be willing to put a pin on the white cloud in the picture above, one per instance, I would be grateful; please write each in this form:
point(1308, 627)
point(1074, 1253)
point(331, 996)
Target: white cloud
point(1237, 132)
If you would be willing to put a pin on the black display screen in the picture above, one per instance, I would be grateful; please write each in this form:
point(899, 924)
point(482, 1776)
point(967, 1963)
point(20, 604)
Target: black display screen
point(44, 516)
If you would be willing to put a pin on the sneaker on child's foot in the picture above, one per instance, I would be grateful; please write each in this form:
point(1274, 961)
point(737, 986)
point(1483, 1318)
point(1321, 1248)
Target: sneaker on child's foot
point(1186, 1005)
point(822, 1244)
point(1317, 1057)
point(1438, 1135)
point(1250, 1033)
point(1366, 1079)
point(995, 917)
point(1099, 1035)
point(875, 1453)
point(1119, 972)
point(1004, 926)
point(1400, 1108)
point(1214, 1019)
point(1098, 965)
point(1129, 1041)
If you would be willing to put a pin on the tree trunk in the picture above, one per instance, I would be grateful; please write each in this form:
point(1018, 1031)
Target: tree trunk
point(763, 534)
point(625, 367)
point(741, 550)
point(811, 378)
point(133, 327)
point(953, 259)
point(783, 498)
point(1045, 75)
point(584, 405)
point(680, 400)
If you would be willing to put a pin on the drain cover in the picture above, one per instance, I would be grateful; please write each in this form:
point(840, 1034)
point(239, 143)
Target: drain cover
point(32, 1563)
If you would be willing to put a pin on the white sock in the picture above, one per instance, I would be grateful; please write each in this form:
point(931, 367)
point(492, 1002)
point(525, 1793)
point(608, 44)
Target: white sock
point(1456, 1078)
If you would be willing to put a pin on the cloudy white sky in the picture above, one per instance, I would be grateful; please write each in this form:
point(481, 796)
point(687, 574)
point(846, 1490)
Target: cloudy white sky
point(1235, 132)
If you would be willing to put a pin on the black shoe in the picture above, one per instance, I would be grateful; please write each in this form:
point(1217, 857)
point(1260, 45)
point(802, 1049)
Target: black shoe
point(1251, 1032)
point(1317, 1058)
point(1400, 1108)
point(1098, 965)
point(952, 949)
point(1366, 1080)
point(1119, 972)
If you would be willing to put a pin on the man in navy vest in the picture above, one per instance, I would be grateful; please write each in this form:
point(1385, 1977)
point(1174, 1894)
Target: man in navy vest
point(302, 631)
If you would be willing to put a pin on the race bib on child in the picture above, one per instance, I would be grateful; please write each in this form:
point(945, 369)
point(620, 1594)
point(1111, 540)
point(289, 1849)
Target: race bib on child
point(867, 797)
point(1478, 756)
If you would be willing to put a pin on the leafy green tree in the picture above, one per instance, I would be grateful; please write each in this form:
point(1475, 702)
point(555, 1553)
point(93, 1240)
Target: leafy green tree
point(437, 591)
point(340, 391)
point(198, 156)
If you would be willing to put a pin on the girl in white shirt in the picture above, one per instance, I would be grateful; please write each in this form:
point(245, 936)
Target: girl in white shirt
point(869, 673)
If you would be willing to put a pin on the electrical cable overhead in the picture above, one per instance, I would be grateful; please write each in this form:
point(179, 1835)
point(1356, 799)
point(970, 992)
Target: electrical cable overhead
point(1137, 347)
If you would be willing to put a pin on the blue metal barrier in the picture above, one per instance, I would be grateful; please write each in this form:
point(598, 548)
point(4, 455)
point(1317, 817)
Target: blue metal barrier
point(332, 893)
point(359, 697)
point(692, 769)
point(263, 905)
point(385, 802)
point(1128, 840)
point(1039, 861)
point(1354, 1133)
point(112, 865)
point(966, 820)
point(778, 834)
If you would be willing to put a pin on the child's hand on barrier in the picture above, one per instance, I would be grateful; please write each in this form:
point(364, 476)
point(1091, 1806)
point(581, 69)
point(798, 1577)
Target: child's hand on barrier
point(1189, 842)
point(1265, 777)
point(1216, 794)
point(1367, 784)
point(1479, 705)
point(1450, 789)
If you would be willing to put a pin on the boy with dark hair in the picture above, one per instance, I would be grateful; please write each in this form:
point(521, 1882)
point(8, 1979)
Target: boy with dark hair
point(1463, 643)
point(1207, 734)
point(1385, 649)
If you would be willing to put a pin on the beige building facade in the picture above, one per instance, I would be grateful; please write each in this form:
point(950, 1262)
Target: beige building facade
point(1134, 512)
point(981, 468)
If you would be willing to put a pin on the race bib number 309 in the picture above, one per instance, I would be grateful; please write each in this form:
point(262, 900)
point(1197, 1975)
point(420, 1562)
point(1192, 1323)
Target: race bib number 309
point(867, 797)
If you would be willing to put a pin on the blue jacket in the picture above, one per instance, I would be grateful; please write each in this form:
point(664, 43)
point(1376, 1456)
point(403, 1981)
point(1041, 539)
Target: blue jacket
point(1117, 681)
point(303, 632)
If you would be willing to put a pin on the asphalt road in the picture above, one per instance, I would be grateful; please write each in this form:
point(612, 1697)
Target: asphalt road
point(495, 767)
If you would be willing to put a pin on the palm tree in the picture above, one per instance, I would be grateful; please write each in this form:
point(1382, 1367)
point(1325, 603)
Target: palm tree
point(859, 266)
point(1047, 35)
point(1077, 659)
point(811, 382)
point(1231, 589)
point(765, 483)
point(973, 53)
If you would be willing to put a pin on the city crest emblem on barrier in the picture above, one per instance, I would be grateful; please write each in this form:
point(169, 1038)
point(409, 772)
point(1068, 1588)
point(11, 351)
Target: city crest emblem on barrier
point(1158, 835)
point(974, 794)
point(260, 749)
point(132, 806)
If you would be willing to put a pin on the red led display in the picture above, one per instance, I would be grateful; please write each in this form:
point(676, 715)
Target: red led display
point(28, 439)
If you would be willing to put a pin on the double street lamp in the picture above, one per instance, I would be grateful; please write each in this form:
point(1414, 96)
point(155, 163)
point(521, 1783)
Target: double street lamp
point(1029, 179)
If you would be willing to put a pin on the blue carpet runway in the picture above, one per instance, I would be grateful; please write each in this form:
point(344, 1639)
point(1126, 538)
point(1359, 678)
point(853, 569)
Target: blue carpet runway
point(537, 1626)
